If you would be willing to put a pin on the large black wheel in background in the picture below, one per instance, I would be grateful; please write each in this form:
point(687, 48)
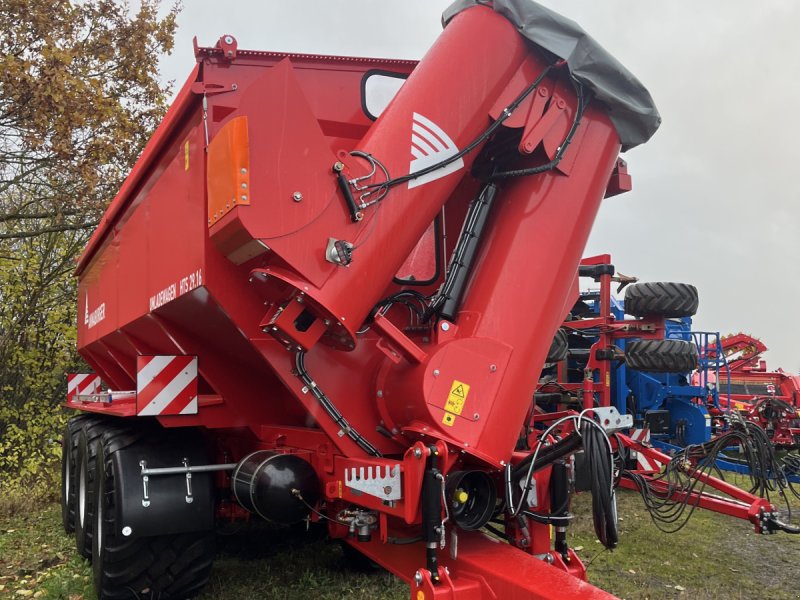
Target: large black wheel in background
point(661, 356)
point(164, 566)
point(84, 441)
point(68, 455)
point(558, 348)
point(664, 299)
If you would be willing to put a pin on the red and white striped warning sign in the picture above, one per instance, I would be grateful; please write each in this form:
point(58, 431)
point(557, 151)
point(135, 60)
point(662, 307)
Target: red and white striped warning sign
point(82, 383)
point(643, 462)
point(166, 385)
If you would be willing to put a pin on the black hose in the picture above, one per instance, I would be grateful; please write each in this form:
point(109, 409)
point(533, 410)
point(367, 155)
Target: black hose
point(330, 408)
point(599, 462)
point(548, 454)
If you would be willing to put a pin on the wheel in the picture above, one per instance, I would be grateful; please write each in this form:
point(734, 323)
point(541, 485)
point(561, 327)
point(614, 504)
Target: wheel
point(164, 566)
point(69, 451)
point(661, 356)
point(558, 348)
point(85, 442)
point(670, 300)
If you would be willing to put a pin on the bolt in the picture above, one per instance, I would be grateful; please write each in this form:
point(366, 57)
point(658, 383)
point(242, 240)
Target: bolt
point(492, 368)
point(297, 196)
point(244, 171)
point(445, 326)
point(338, 167)
point(417, 453)
point(244, 186)
point(244, 198)
point(379, 394)
point(228, 39)
point(476, 416)
point(127, 531)
point(436, 372)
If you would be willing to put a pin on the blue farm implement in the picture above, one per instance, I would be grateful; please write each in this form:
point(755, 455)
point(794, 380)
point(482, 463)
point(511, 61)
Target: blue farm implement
point(682, 387)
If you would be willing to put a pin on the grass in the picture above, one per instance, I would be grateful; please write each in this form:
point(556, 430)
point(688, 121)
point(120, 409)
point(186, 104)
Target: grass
point(713, 557)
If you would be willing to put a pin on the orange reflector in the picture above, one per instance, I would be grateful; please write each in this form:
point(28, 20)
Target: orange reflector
point(228, 177)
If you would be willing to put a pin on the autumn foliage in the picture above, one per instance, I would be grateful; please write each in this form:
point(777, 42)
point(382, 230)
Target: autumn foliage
point(79, 97)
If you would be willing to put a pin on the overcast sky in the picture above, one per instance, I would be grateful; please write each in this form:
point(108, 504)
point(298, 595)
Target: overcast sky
point(715, 200)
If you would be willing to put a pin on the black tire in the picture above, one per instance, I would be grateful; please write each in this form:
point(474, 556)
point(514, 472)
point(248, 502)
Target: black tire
point(558, 348)
point(69, 450)
point(85, 444)
point(661, 299)
point(661, 356)
point(165, 566)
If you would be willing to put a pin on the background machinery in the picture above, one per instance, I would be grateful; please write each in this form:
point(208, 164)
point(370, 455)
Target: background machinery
point(274, 331)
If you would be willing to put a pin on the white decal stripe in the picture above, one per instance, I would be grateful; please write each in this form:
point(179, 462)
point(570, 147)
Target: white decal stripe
point(416, 152)
point(191, 408)
point(151, 371)
point(170, 391)
point(422, 145)
point(435, 129)
point(426, 134)
point(75, 380)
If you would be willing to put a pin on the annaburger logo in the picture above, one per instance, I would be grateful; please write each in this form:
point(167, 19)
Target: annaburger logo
point(91, 319)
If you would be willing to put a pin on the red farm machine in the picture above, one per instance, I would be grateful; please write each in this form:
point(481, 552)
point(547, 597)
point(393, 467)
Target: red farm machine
point(267, 305)
point(769, 398)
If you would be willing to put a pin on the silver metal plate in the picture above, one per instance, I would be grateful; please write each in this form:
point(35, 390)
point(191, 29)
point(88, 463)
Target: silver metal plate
point(378, 481)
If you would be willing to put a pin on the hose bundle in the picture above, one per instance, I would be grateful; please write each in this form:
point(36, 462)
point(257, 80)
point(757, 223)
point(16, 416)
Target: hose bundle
point(671, 507)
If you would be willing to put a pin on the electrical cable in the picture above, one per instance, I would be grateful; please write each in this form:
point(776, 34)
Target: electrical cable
point(672, 495)
point(401, 297)
point(477, 141)
point(600, 465)
point(297, 494)
point(330, 408)
point(576, 121)
point(515, 509)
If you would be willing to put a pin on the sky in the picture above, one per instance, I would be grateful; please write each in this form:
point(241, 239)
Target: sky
point(715, 202)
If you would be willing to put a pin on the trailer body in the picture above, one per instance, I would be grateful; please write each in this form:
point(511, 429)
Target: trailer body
point(271, 282)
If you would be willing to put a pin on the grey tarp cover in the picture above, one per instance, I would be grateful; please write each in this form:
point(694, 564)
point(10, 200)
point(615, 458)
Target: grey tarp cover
point(629, 104)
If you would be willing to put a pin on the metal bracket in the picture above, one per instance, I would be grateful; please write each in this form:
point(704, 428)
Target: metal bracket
point(189, 498)
point(364, 479)
point(609, 419)
point(186, 470)
point(145, 480)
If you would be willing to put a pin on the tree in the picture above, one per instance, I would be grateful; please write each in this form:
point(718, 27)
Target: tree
point(79, 97)
point(79, 94)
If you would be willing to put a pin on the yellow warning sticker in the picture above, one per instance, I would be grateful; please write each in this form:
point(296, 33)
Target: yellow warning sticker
point(186, 156)
point(457, 397)
point(449, 419)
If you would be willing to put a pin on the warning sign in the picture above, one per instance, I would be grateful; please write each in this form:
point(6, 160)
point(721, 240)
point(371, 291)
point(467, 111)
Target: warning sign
point(457, 397)
point(449, 419)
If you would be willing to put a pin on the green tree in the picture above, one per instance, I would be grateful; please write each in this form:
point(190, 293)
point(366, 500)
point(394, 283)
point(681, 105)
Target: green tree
point(79, 97)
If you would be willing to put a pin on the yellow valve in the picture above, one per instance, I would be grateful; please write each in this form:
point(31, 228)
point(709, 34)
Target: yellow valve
point(461, 496)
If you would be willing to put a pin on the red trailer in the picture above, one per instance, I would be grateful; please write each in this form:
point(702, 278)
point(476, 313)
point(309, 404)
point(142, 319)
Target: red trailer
point(268, 306)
